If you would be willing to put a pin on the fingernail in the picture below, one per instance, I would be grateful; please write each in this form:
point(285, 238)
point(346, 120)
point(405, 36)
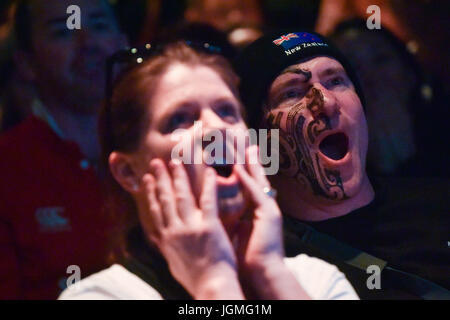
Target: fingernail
point(174, 163)
point(155, 166)
point(147, 177)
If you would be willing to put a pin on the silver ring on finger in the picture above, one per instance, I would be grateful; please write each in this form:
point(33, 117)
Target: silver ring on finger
point(271, 192)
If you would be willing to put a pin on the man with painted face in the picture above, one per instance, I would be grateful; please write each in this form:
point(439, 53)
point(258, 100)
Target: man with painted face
point(302, 85)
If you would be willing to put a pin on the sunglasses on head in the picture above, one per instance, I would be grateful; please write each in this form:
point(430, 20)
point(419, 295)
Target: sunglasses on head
point(126, 59)
point(123, 61)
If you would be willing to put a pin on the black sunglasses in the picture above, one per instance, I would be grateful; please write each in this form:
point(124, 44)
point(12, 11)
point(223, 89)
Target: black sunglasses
point(125, 60)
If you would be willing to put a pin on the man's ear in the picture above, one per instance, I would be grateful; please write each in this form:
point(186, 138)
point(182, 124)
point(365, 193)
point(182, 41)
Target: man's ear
point(123, 170)
point(24, 65)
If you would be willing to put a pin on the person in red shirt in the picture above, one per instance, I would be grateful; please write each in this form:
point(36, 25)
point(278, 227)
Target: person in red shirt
point(52, 226)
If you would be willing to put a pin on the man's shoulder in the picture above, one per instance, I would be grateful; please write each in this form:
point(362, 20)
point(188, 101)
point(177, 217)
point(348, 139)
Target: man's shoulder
point(405, 185)
point(420, 195)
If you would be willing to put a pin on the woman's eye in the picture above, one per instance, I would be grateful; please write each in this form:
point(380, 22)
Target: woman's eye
point(180, 120)
point(227, 111)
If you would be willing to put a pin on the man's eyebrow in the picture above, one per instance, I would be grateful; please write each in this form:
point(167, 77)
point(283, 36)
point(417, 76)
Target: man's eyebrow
point(294, 69)
point(331, 71)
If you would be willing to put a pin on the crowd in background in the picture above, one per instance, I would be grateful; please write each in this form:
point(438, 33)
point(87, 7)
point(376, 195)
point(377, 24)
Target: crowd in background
point(412, 40)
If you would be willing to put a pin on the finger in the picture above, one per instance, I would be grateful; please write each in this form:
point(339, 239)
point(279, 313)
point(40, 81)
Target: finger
point(255, 191)
point(185, 200)
point(164, 192)
point(208, 198)
point(152, 218)
point(243, 237)
point(255, 168)
point(250, 184)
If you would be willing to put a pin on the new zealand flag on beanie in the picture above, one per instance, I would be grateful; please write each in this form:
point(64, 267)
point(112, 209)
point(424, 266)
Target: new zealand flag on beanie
point(261, 62)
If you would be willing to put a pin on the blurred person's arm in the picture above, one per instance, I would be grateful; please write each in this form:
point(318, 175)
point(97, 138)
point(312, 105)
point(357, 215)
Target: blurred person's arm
point(331, 13)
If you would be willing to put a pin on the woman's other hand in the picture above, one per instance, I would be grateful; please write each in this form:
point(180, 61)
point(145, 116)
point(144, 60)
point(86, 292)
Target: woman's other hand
point(260, 249)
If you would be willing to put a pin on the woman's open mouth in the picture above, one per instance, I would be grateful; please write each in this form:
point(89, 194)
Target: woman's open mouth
point(334, 146)
point(227, 181)
point(223, 170)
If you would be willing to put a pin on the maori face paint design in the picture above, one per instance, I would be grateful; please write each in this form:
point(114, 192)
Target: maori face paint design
point(296, 160)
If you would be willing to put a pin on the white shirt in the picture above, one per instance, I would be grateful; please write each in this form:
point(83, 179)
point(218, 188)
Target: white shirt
point(321, 280)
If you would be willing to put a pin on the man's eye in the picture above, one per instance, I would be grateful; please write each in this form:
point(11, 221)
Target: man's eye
point(291, 94)
point(337, 81)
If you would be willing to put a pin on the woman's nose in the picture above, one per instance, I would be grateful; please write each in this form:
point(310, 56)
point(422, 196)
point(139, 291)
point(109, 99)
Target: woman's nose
point(212, 121)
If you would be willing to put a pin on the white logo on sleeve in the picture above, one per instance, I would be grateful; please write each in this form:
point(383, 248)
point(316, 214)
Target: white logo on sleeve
point(50, 219)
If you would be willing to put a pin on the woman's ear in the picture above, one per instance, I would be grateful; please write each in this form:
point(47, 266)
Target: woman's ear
point(123, 170)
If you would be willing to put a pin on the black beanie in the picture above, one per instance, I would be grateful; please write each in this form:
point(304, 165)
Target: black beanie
point(263, 60)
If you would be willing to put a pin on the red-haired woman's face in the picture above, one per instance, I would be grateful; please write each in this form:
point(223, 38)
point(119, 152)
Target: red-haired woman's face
point(184, 96)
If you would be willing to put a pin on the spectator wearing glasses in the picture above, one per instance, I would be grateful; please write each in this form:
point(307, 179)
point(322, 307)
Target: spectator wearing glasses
point(192, 230)
point(51, 214)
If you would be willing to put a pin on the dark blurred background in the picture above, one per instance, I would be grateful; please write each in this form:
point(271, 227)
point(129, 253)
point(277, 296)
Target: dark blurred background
point(407, 102)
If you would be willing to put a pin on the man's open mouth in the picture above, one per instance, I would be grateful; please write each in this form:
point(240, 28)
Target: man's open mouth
point(334, 146)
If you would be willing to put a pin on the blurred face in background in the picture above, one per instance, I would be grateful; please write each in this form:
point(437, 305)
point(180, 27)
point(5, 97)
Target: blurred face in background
point(242, 20)
point(68, 66)
point(387, 82)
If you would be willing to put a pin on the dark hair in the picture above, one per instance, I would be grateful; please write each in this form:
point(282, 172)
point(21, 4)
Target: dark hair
point(22, 25)
point(123, 119)
point(358, 27)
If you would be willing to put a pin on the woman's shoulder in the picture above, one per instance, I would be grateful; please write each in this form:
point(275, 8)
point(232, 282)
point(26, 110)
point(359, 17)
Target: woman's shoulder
point(320, 279)
point(114, 283)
